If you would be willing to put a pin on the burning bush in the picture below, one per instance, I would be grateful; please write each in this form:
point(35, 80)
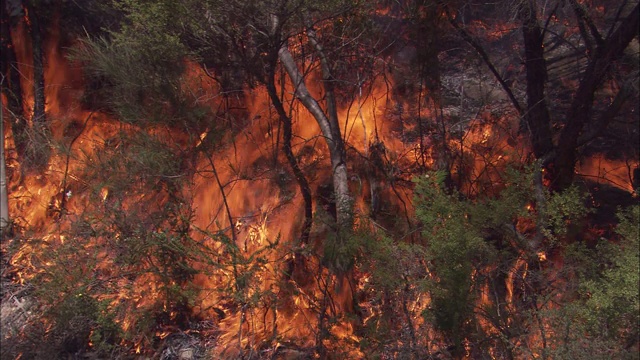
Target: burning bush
point(176, 220)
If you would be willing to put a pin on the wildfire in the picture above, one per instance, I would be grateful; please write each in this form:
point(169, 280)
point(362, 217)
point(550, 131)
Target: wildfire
point(254, 281)
point(612, 172)
point(261, 213)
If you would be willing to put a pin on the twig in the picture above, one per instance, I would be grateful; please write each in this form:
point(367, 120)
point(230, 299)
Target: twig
point(63, 202)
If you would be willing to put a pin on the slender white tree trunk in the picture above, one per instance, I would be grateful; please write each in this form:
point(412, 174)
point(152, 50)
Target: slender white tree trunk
point(330, 133)
point(4, 199)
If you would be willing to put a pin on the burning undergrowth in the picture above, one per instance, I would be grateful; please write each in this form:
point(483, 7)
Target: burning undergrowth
point(167, 225)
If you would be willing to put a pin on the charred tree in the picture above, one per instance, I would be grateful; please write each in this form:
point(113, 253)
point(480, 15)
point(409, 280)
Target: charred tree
point(37, 149)
point(4, 199)
point(38, 66)
point(11, 84)
point(580, 112)
point(537, 114)
point(559, 150)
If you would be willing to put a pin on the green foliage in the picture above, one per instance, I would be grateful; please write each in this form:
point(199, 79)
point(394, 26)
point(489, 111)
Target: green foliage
point(244, 269)
point(563, 210)
point(128, 256)
point(509, 204)
point(456, 248)
point(81, 319)
point(393, 271)
point(74, 299)
point(340, 250)
point(597, 314)
point(37, 152)
point(140, 69)
point(471, 244)
point(116, 266)
point(613, 299)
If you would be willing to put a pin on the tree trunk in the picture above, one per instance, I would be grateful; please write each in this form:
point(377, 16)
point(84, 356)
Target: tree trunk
point(38, 68)
point(4, 198)
point(305, 190)
point(331, 133)
point(537, 114)
point(338, 160)
point(11, 86)
point(579, 113)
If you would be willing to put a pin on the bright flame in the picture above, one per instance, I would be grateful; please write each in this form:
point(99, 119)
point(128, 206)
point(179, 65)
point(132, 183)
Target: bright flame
point(616, 173)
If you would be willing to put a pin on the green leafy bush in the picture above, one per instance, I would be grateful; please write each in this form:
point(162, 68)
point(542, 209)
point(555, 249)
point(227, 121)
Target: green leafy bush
point(586, 308)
